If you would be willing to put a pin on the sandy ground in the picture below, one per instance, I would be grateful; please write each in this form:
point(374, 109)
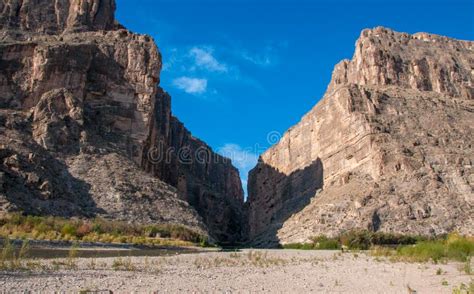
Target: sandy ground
point(272, 271)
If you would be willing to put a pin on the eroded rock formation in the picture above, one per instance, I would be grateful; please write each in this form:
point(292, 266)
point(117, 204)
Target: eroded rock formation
point(58, 16)
point(203, 178)
point(389, 147)
point(81, 112)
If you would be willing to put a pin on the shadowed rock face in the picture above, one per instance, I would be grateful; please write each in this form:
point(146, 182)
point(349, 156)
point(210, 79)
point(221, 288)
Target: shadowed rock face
point(268, 213)
point(394, 135)
point(204, 179)
point(80, 90)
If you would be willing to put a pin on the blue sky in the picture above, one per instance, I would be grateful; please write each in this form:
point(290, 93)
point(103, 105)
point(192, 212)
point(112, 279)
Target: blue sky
point(238, 71)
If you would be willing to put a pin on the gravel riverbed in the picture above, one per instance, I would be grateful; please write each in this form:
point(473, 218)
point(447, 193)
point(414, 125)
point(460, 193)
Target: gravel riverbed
point(271, 271)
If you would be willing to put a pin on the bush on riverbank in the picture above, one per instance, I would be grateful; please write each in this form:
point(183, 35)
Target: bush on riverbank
point(356, 240)
point(317, 243)
point(397, 246)
point(96, 230)
point(452, 247)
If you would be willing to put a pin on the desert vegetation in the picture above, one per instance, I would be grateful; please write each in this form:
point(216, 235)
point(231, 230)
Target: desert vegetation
point(18, 226)
point(397, 247)
point(252, 258)
point(356, 240)
point(452, 247)
point(10, 258)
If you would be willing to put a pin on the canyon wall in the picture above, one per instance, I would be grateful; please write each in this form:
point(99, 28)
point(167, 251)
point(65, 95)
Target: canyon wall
point(80, 114)
point(388, 148)
point(57, 16)
point(203, 178)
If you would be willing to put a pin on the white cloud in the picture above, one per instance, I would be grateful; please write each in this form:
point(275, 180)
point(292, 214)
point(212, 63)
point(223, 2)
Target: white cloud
point(260, 60)
point(243, 159)
point(204, 58)
point(191, 85)
point(170, 60)
point(265, 57)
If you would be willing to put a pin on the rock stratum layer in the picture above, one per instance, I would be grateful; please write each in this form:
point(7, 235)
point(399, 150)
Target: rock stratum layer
point(81, 115)
point(388, 148)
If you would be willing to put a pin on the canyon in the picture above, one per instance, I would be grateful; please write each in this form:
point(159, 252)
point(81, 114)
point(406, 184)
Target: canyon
point(86, 131)
point(82, 119)
point(388, 148)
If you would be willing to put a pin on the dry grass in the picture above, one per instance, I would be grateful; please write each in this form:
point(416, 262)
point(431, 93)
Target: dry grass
point(10, 259)
point(251, 258)
point(18, 226)
point(124, 264)
point(467, 267)
point(464, 289)
point(17, 259)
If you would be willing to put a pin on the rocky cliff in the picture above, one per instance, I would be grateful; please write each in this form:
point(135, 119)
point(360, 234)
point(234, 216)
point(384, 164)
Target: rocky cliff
point(388, 148)
point(57, 16)
point(80, 113)
point(203, 178)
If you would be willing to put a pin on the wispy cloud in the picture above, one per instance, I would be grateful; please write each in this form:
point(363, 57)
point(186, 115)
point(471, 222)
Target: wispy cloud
point(204, 59)
point(260, 60)
point(243, 158)
point(170, 60)
point(264, 56)
point(189, 85)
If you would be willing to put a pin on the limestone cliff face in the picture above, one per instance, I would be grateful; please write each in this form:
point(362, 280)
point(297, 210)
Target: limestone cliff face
point(57, 16)
point(203, 178)
point(80, 109)
point(389, 147)
point(422, 61)
point(111, 75)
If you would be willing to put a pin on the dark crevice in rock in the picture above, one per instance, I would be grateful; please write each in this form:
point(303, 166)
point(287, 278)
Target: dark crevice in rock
point(275, 196)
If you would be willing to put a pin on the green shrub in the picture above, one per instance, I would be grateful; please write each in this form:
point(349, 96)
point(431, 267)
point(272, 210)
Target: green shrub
point(151, 231)
point(397, 246)
point(204, 242)
point(325, 243)
point(363, 239)
point(360, 240)
point(452, 247)
point(68, 230)
point(380, 238)
point(423, 251)
point(16, 219)
point(300, 246)
point(97, 228)
point(317, 243)
point(459, 248)
point(42, 228)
